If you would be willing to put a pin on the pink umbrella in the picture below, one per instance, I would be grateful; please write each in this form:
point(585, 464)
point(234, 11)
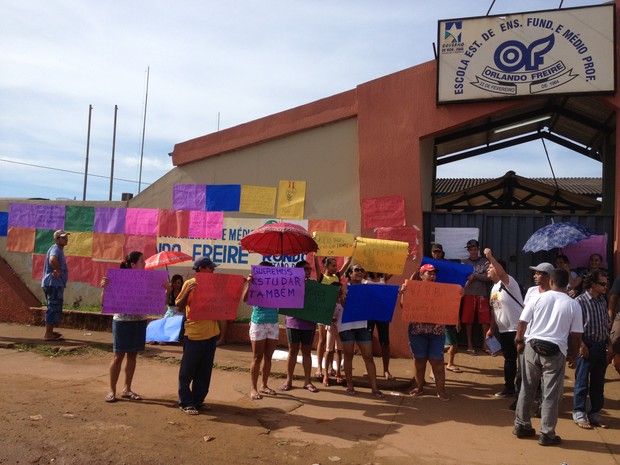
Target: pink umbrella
point(165, 258)
point(279, 239)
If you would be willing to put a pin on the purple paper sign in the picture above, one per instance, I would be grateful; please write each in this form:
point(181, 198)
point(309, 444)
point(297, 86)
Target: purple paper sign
point(277, 287)
point(206, 225)
point(135, 291)
point(189, 197)
point(141, 221)
point(37, 216)
point(110, 220)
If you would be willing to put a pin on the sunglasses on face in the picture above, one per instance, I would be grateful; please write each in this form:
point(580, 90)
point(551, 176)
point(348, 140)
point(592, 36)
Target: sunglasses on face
point(358, 270)
point(602, 284)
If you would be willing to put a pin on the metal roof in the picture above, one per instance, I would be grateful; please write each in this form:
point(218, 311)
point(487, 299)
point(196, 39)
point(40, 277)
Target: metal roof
point(580, 123)
point(592, 187)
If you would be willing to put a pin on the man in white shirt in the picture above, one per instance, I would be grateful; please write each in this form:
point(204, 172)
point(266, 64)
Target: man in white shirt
point(507, 303)
point(550, 320)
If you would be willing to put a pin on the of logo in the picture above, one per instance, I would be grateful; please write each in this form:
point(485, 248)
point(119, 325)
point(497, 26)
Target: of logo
point(521, 69)
point(513, 55)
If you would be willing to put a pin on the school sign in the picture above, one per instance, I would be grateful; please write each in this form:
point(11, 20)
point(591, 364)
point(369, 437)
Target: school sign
point(526, 54)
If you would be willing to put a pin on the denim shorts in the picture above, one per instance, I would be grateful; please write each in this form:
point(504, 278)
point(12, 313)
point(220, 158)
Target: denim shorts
point(129, 336)
point(359, 335)
point(429, 346)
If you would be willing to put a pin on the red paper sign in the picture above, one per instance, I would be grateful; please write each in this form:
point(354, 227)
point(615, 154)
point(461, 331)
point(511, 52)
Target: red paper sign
point(383, 212)
point(216, 296)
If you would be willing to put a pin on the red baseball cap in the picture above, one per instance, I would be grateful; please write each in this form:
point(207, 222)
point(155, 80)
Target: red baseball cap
point(428, 267)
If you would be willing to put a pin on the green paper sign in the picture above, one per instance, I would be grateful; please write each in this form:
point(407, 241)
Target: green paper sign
point(79, 219)
point(319, 304)
point(43, 240)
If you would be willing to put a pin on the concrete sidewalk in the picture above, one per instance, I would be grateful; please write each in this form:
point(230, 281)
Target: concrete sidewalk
point(473, 428)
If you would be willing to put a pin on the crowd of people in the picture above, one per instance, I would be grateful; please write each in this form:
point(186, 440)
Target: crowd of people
point(565, 318)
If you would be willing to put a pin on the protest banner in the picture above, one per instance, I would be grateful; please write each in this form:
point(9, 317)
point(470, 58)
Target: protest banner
point(370, 302)
point(319, 304)
point(216, 296)
point(135, 291)
point(381, 256)
point(449, 272)
point(276, 287)
point(383, 212)
point(429, 302)
point(260, 200)
point(333, 244)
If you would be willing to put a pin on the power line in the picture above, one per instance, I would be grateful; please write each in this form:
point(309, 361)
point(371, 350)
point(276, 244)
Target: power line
point(67, 171)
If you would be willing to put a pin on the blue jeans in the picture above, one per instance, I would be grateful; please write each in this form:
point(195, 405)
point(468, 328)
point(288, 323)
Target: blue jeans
point(549, 369)
point(590, 380)
point(196, 368)
point(54, 295)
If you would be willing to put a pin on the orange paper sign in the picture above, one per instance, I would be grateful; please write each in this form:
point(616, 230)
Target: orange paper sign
point(428, 302)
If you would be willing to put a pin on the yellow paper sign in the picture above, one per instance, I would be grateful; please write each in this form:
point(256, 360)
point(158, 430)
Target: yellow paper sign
point(291, 199)
point(80, 244)
point(334, 244)
point(429, 302)
point(381, 256)
point(258, 199)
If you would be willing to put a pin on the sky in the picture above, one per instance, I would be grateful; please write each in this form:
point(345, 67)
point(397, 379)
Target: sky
point(212, 65)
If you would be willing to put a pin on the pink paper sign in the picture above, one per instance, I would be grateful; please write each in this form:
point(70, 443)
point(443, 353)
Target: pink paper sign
point(135, 291)
point(216, 296)
point(382, 212)
point(277, 287)
point(141, 221)
point(206, 225)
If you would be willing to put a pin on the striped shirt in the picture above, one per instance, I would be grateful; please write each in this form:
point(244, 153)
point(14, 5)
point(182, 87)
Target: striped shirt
point(595, 317)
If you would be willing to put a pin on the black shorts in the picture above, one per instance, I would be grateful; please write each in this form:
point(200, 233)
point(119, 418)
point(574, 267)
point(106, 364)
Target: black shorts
point(383, 331)
point(295, 336)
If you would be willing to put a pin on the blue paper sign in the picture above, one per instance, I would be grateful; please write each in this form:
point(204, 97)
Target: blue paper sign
point(449, 272)
point(370, 302)
point(223, 197)
point(164, 329)
point(4, 223)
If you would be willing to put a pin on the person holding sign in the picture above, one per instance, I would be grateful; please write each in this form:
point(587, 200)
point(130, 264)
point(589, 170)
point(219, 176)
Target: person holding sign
point(357, 332)
point(426, 341)
point(331, 275)
point(198, 347)
point(264, 335)
point(300, 334)
point(129, 334)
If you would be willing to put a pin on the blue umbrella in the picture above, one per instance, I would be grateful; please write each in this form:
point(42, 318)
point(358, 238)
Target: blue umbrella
point(556, 236)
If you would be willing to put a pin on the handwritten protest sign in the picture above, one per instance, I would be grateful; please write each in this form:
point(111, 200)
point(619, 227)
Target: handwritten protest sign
point(450, 272)
point(381, 256)
point(260, 200)
point(382, 212)
point(407, 234)
point(319, 304)
point(189, 197)
point(276, 287)
point(370, 302)
point(135, 291)
point(428, 302)
point(109, 220)
point(334, 244)
point(291, 199)
point(216, 297)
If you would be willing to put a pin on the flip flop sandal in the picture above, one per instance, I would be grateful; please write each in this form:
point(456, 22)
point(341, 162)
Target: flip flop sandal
point(130, 395)
point(54, 338)
point(311, 388)
point(599, 425)
point(339, 380)
point(286, 387)
point(351, 391)
point(203, 407)
point(443, 398)
point(378, 394)
point(256, 396)
point(110, 398)
point(584, 425)
point(454, 370)
point(471, 351)
point(417, 392)
point(268, 391)
point(190, 410)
